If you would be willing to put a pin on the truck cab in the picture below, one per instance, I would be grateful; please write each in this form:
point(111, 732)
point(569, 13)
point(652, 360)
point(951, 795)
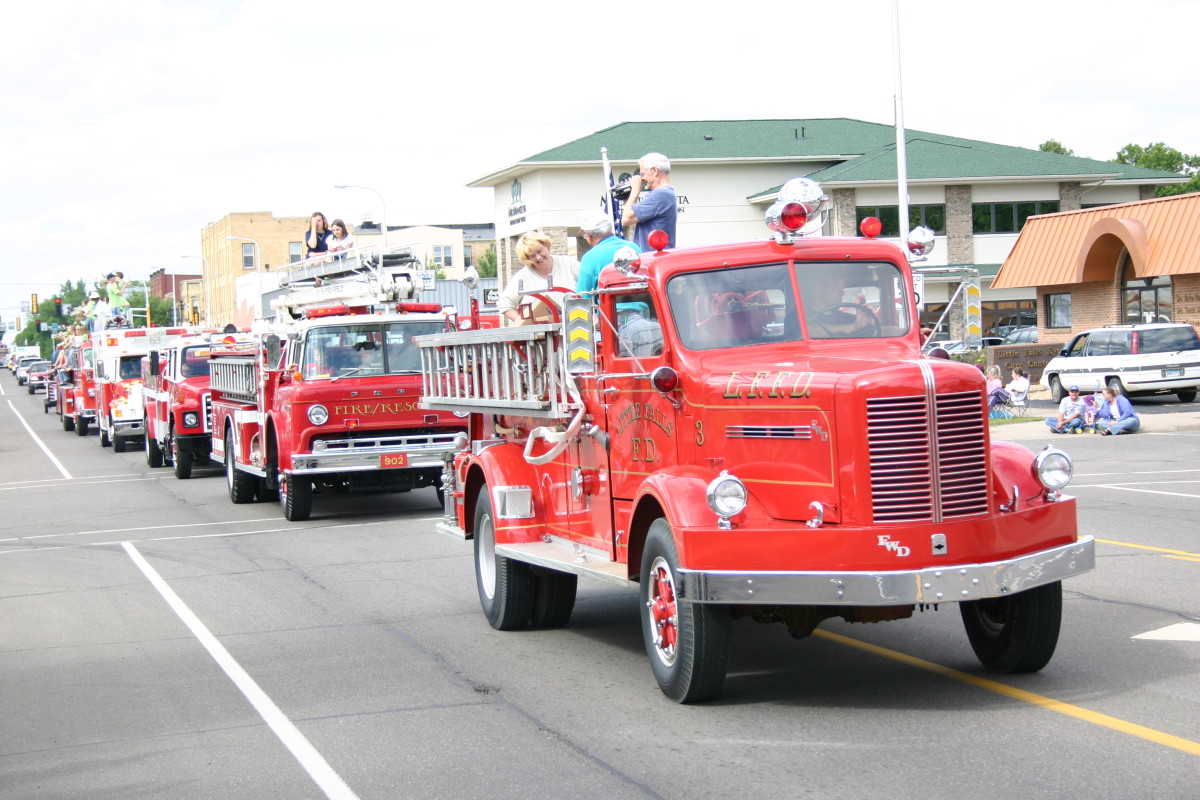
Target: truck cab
point(177, 404)
point(77, 396)
point(749, 430)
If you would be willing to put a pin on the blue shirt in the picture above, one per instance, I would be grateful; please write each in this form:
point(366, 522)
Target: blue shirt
point(655, 210)
point(595, 260)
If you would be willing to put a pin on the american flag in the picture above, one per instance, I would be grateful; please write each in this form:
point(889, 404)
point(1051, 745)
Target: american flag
point(612, 206)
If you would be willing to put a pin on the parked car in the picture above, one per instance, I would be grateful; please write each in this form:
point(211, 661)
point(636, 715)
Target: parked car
point(36, 376)
point(1133, 359)
point(1026, 335)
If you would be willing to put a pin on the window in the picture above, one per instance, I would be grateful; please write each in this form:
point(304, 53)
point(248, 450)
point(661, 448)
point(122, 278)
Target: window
point(1007, 217)
point(295, 253)
point(1147, 299)
point(932, 217)
point(639, 332)
point(1058, 310)
point(248, 255)
point(467, 260)
point(443, 255)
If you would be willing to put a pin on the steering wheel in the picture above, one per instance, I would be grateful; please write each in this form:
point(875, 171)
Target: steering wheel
point(874, 326)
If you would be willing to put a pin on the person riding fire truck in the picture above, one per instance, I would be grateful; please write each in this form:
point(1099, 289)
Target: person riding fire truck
point(327, 402)
point(749, 430)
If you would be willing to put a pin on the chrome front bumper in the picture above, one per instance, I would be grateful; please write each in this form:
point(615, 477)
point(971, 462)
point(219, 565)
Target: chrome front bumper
point(950, 584)
point(385, 452)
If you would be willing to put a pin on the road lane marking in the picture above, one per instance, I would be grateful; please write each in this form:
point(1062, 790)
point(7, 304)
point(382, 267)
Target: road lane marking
point(1179, 632)
point(37, 440)
point(1143, 491)
point(1096, 718)
point(309, 758)
point(1166, 550)
point(147, 528)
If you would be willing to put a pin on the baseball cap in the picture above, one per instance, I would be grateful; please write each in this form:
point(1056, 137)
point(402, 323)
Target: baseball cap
point(1073, 388)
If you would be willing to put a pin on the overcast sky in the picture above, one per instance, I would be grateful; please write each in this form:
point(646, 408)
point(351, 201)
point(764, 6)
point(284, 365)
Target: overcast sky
point(130, 125)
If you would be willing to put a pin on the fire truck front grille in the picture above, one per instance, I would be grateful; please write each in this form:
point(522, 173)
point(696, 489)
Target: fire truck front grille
point(928, 461)
point(206, 410)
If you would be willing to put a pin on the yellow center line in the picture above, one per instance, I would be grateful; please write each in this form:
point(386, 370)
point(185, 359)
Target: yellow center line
point(1119, 725)
point(1183, 553)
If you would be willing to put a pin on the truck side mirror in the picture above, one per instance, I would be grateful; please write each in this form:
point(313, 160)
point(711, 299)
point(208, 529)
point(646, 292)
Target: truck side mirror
point(274, 349)
point(154, 367)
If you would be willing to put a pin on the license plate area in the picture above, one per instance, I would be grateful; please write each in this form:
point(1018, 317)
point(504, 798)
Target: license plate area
point(1173, 372)
point(393, 460)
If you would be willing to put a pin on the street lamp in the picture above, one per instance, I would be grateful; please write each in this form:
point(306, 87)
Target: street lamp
point(204, 280)
point(383, 210)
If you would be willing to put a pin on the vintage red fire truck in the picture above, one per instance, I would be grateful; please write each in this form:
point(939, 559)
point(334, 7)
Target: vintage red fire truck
point(328, 402)
point(177, 404)
point(749, 430)
point(118, 356)
point(77, 387)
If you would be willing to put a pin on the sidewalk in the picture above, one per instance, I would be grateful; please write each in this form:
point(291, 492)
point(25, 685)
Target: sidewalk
point(1035, 429)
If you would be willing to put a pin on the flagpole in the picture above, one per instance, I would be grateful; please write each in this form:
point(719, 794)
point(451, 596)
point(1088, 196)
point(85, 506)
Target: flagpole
point(612, 206)
point(901, 156)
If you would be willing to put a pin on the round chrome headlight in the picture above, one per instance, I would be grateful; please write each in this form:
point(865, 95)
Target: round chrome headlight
point(726, 495)
point(191, 419)
point(318, 414)
point(1053, 468)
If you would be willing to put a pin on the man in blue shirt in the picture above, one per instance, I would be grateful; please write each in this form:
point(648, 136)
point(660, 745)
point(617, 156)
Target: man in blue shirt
point(597, 229)
point(657, 209)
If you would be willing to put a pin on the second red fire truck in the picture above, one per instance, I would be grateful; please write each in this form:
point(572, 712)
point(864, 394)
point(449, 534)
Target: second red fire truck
point(750, 430)
point(328, 402)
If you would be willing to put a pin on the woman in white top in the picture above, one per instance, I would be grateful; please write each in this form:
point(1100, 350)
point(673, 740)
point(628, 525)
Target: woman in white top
point(541, 271)
point(340, 239)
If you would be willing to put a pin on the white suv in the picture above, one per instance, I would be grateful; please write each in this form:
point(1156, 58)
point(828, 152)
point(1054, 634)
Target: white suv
point(1133, 359)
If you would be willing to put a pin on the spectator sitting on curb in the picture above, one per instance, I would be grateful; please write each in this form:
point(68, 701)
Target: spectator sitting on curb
point(1070, 413)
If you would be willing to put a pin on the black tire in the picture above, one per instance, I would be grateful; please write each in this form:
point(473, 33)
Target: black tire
point(505, 586)
point(296, 496)
point(118, 443)
point(1188, 396)
point(68, 423)
point(687, 643)
point(1115, 384)
point(32, 390)
point(104, 440)
point(154, 454)
point(1056, 389)
point(1017, 633)
point(240, 484)
point(553, 599)
point(81, 426)
point(181, 462)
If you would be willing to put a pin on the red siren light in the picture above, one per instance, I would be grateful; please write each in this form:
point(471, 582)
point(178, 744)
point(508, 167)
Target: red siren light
point(870, 227)
point(658, 240)
point(415, 307)
point(794, 216)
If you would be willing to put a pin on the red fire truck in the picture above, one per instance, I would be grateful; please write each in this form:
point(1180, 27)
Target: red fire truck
point(749, 430)
point(118, 356)
point(328, 403)
point(177, 405)
point(77, 395)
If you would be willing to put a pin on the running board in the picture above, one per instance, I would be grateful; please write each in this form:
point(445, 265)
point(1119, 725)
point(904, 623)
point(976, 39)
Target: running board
point(562, 556)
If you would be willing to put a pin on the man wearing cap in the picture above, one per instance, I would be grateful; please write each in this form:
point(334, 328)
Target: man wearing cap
point(597, 229)
point(1070, 413)
point(658, 209)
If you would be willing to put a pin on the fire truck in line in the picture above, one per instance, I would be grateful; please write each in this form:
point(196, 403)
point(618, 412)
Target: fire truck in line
point(328, 402)
point(750, 430)
point(76, 393)
point(177, 405)
point(118, 353)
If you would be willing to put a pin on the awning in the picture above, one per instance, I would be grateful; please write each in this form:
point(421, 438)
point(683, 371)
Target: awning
point(1161, 235)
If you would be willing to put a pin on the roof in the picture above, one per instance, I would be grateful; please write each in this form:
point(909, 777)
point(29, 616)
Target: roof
point(865, 152)
point(1162, 236)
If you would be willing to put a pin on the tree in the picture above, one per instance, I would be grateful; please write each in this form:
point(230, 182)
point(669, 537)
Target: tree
point(1168, 159)
point(1055, 146)
point(486, 265)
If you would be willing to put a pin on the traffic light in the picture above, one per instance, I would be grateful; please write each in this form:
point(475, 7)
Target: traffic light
point(58, 307)
point(33, 309)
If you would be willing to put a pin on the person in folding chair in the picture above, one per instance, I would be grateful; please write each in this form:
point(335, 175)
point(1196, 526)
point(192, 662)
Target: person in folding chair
point(1018, 393)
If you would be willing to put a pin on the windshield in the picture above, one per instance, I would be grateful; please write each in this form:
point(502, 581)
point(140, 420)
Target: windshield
point(368, 349)
point(131, 367)
point(193, 362)
point(757, 305)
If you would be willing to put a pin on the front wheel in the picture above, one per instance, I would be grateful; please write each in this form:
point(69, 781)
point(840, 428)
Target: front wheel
point(105, 441)
point(240, 484)
point(1017, 633)
point(118, 444)
point(81, 426)
point(688, 643)
point(553, 599)
point(296, 496)
point(181, 461)
point(68, 423)
point(505, 586)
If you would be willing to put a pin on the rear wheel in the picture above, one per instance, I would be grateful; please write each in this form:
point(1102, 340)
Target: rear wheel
point(505, 586)
point(296, 496)
point(154, 454)
point(118, 443)
point(688, 643)
point(240, 484)
point(1017, 633)
point(1187, 396)
point(1115, 384)
point(104, 440)
point(81, 426)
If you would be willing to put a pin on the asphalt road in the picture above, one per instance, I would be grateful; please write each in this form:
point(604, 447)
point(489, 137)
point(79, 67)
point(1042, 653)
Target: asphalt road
point(158, 641)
